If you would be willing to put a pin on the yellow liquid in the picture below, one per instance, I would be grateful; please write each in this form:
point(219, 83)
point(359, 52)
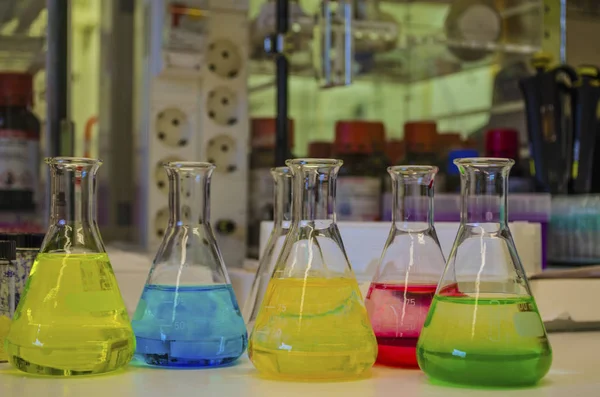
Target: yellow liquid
point(71, 319)
point(312, 329)
point(4, 327)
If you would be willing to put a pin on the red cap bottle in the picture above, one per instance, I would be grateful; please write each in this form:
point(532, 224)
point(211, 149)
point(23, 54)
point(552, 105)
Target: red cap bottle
point(502, 142)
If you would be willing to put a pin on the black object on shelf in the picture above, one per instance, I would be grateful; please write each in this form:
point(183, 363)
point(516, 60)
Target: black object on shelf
point(586, 95)
point(57, 70)
point(548, 105)
point(282, 70)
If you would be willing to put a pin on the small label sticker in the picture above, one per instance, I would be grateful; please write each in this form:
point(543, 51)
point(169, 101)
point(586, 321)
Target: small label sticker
point(528, 324)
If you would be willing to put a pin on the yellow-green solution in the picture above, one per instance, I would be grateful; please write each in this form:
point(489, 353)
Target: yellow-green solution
point(493, 340)
point(71, 319)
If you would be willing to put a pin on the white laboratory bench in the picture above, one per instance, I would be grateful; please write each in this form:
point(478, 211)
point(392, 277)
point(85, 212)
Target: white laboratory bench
point(574, 373)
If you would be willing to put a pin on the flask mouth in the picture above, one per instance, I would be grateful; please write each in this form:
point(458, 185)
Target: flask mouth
point(189, 165)
point(309, 162)
point(485, 162)
point(413, 170)
point(79, 161)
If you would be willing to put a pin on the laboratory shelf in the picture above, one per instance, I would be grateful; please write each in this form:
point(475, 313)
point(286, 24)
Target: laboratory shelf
point(574, 373)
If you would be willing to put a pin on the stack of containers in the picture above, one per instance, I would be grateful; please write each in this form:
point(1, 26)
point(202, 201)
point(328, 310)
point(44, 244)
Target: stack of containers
point(359, 183)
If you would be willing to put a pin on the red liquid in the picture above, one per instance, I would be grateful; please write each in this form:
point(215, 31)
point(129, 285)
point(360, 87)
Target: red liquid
point(397, 314)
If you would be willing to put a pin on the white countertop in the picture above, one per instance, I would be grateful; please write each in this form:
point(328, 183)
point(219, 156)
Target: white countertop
point(575, 372)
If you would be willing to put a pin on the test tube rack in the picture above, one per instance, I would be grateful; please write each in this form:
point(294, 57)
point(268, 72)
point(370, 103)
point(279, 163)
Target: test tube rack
point(196, 110)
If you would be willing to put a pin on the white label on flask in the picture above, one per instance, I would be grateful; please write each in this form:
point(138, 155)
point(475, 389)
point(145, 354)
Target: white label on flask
point(358, 198)
point(19, 151)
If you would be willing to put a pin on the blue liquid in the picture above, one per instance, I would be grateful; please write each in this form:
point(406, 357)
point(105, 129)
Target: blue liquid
point(189, 326)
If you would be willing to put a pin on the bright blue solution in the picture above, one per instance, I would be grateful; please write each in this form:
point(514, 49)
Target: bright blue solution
point(189, 326)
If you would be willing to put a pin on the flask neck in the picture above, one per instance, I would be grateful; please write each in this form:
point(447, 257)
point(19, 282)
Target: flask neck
point(314, 190)
point(189, 193)
point(484, 188)
point(413, 188)
point(282, 197)
point(73, 191)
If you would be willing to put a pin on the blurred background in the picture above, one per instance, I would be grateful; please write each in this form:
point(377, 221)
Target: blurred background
point(141, 82)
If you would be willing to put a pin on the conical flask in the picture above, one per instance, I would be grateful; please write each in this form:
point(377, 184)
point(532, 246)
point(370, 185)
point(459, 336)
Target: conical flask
point(71, 319)
point(484, 327)
point(282, 205)
point(312, 323)
point(188, 315)
point(409, 270)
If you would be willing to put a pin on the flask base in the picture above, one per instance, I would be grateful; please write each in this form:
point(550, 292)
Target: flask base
point(73, 361)
point(397, 352)
point(166, 361)
point(314, 366)
point(210, 352)
point(481, 369)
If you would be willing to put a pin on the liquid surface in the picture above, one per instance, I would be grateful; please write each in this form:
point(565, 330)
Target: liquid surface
point(312, 329)
point(189, 326)
point(496, 340)
point(397, 313)
point(71, 319)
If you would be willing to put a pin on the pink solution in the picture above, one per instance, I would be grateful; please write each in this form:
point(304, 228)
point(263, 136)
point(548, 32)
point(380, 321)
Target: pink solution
point(397, 314)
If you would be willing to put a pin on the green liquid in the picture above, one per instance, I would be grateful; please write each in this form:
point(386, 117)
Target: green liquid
point(71, 319)
point(495, 340)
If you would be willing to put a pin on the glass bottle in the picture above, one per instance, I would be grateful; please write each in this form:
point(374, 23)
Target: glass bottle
point(188, 315)
point(71, 319)
point(410, 267)
point(312, 323)
point(282, 204)
point(484, 327)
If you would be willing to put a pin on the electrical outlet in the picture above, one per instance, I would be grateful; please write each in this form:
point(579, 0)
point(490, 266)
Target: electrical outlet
point(221, 152)
point(160, 174)
point(161, 220)
point(222, 106)
point(173, 127)
point(223, 58)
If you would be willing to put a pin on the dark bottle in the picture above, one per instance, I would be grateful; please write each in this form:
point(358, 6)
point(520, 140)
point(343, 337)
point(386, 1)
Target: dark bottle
point(359, 182)
point(19, 144)
point(320, 149)
point(504, 143)
point(379, 163)
point(260, 192)
point(420, 139)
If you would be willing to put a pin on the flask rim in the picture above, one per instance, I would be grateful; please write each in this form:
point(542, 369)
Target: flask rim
point(314, 162)
point(189, 165)
point(484, 162)
point(413, 169)
point(83, 161)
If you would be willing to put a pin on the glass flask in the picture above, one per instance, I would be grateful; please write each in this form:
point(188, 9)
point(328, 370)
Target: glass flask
point(484, 327)
point(188, 315)
point(71, 319)
point(282, 205)
point(312, 324)
point(410, 267)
